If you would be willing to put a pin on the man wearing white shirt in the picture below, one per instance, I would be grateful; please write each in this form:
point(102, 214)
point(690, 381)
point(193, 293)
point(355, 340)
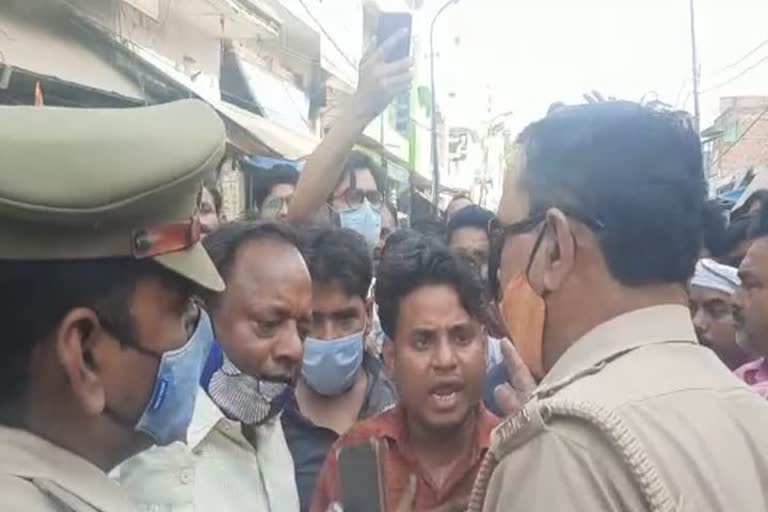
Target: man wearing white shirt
point(236, 457)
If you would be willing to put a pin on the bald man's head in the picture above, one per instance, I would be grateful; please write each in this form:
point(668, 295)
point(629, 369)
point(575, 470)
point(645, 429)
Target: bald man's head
point(264, 314)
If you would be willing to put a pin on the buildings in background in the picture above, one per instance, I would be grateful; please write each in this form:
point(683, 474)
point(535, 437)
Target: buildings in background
point(496, 156)
point(477, 161)
point(738, 139)
point(473, 137)
point(735, 147)
point(277, 71)
point(465, 159)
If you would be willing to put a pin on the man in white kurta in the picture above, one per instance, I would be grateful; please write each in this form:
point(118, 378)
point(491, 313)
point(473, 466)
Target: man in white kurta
point(218, 469)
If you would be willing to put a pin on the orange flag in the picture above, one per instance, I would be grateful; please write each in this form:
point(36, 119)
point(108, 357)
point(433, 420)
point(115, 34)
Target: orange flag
point(38, 94)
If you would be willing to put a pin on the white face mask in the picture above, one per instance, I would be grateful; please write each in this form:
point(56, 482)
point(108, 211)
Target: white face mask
point(365, 220)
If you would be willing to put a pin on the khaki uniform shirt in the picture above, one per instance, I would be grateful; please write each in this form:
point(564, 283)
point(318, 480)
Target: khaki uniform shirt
point(218, 470)
point(37, 476)
point(635, 416)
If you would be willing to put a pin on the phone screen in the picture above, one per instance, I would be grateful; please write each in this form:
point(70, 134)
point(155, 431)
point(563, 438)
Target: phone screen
point(391, 23)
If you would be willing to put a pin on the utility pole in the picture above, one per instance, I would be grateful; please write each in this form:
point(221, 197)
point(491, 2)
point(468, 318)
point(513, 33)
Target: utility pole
point(695, 70)
point(435, 160)
point(489, 132)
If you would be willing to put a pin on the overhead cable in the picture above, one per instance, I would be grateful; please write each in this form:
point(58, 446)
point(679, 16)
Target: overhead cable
point(327, 35)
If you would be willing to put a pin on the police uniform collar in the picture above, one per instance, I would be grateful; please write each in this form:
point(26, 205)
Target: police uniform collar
point(60, 472)
point(205, 418)
point(647, 326)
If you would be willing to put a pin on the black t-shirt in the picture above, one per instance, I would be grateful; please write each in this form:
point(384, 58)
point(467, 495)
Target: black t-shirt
point(309, 443)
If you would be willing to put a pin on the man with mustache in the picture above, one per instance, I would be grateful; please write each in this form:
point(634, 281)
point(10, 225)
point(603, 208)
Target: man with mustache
point(237, 457)
point(428, 448)
point(752, 304)
point(711, 293)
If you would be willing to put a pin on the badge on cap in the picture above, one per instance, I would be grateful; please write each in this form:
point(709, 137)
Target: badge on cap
point(165, 238)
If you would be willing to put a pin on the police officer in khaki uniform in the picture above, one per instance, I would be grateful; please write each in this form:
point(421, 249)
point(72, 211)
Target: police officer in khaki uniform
point(600, 227)
point(102, 345)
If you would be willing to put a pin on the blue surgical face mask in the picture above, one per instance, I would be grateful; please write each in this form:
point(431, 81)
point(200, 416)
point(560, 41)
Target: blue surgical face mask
point(330, 366)
point(365, 220)
point(168, 413)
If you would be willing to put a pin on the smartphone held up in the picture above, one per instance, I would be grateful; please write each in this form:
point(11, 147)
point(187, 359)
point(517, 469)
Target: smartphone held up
point(391, 23)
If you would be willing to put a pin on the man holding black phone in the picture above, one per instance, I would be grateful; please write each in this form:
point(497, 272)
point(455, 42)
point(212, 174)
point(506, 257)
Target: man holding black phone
point(385, 72)
point(392, 24)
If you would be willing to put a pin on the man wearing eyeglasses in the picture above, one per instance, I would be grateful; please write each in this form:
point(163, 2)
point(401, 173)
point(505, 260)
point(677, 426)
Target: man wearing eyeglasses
point(599, 230)
point(357, 200)
point(348, 182)
point(274, 190)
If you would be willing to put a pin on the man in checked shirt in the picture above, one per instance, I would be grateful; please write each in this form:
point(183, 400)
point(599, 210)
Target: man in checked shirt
point(429, 447)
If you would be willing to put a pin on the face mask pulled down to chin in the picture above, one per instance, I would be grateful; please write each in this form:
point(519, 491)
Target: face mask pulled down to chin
point(242, 397)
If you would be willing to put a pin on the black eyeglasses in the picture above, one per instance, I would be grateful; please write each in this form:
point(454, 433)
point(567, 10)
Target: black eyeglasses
point(355, 197)
point(274, 205)
point(498, 232)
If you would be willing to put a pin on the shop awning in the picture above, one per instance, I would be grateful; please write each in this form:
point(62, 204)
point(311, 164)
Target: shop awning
point(453, 190)
point(21, 87)
point(284, 141)
point(240, 126)
point(248, 132)
point(759, 181)
point(373, 145)
point(41, 43)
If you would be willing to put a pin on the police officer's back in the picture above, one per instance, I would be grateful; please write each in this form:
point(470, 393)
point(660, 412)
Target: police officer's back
point(102, 347)
point(601, 225)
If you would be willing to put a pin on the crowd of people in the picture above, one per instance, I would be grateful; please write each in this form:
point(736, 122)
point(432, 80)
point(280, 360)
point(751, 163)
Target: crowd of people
point(599, 343)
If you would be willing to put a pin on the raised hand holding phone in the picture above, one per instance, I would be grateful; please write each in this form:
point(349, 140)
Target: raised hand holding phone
point(382, 79)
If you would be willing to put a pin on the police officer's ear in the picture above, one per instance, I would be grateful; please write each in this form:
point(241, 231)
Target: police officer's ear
point(78, 340)
point(559, 250)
